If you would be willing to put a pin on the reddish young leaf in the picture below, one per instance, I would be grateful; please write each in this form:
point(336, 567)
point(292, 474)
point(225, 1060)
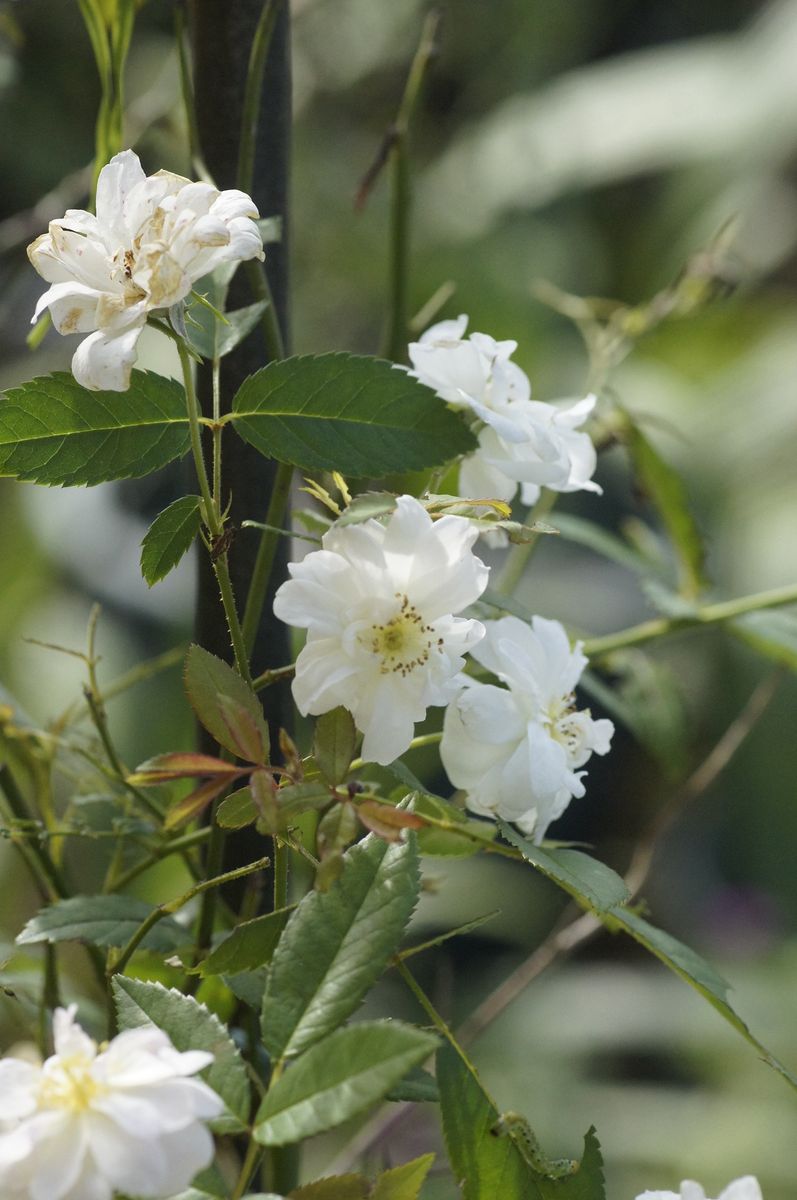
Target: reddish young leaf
point(187, 809)
point(386, 821)
point(180, 765)
point(244, 730)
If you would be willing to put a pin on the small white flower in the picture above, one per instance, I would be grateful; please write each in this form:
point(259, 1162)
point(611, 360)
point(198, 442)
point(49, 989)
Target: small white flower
point(472, 373)
point(153, 237)
point(91, 1122)
point(553, 453)
point(377, 603)
point(741, 1189)
point(515, 751)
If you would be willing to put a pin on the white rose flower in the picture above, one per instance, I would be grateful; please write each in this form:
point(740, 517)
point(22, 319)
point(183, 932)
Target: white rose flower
point(553, 453)
point(516, 750)
point(377, 603)
point(741, 1189)
point(88, 1123)
point(472, 373)
point(152, 238)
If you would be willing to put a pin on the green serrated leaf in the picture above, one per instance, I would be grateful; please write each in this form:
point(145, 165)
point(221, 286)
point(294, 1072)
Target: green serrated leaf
point(191, 1027)
point(338, 1078)
point(773, 634)
point(334, 744)
point(403, 1182)
point(666, 490)
point(337, 943)
point(594, 885)
point(169, 537)
point(251, 944)
point(485, 1166)
point(105, 920)
point(360, 416)
point(696, 972)
point(489, 1166)
point(56, 432)
point(206, 679)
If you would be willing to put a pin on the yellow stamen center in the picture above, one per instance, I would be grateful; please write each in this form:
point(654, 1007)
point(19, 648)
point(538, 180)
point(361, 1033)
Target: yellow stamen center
point(70, 1085)
point(403, 643)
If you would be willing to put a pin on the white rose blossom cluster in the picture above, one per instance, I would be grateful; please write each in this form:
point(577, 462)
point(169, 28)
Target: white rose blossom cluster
point(523, 442)
point(516, 750)
point(378, 603)
point(89, 1122)
point(747, 1188)
point(151, 239)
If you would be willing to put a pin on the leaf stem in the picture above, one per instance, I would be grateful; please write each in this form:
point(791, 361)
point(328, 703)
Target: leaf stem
point(253, 1153)
point(710, 614)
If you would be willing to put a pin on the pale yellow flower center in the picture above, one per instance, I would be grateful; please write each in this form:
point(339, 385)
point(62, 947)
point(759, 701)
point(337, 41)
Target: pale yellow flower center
point(561, 728)
point(403, 643)
point(70, 1085)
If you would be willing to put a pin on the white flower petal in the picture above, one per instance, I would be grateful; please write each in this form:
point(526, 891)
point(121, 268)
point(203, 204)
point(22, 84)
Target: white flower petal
point(103, 362)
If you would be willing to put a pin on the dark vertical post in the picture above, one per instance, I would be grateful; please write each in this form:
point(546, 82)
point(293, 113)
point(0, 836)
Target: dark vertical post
point(222, 32)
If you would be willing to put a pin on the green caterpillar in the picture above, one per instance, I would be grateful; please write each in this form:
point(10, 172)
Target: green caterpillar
point(512, 1125)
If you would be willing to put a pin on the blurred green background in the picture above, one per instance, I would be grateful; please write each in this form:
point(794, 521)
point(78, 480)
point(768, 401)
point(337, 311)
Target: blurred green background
point(596, 144)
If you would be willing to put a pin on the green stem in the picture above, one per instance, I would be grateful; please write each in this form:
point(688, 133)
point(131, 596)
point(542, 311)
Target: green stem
point(213, 864)
point(274, 675)
point(434, 1016)
point(423, 739)
point(211, 516)
point(261, 572)
point(165, 910)
point(281, 854)
point(269, 322)
point(520, 556)
point(401, 198)
point(711, 614)
point(253, 1153)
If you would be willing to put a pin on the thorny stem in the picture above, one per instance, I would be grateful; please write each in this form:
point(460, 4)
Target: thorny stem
point(710, 614)
point(212, 518)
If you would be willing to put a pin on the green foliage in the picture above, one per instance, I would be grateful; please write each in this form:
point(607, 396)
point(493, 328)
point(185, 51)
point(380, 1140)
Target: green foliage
point(667, 493)
point(644, 697)
point(338, 1078)
point(101, 921)
point(54, 431)
point(337, 943)
point(417, 1087)
point(169, 537)
point(607, 545)
point(191, 1027)
point(251, 944)
point(403, 1182)
point(359, 416)
point(334, 744)
point(590, 882)
point(225, 704)
point(237, 810)
point(696, 971)
point(334, 1187)
point(488, 1166)
point(214, 338)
